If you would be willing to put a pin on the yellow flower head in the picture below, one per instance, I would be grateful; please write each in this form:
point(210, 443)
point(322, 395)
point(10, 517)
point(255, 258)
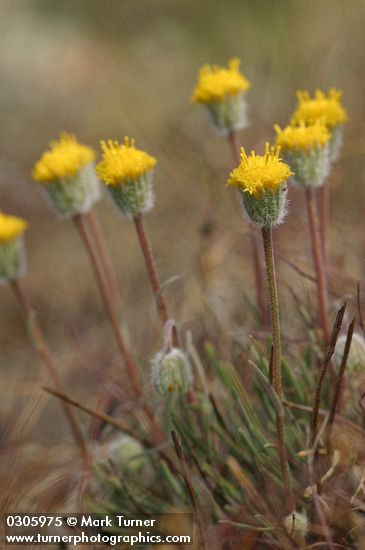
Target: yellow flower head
point(122, 163)
point(258, 173)
point(63, 160)
point(320, 106)
point(302, 137)
point(216, 83)
point(11, 227)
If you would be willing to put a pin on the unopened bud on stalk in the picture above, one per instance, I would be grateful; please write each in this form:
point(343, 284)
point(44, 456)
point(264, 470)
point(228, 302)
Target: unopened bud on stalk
point(260, 181)
point(171, 372)
point(68, 176)
point(222, 91)
point(306, 150)
point(127, 172)
point(12, 256)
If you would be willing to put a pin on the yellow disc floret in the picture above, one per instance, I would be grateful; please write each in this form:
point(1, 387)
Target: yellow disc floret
point(301, 137)
point(216, 83)
point(258, 173)
point(63, 160)
point(11, 227)
point(122, 163)
point(321, 105)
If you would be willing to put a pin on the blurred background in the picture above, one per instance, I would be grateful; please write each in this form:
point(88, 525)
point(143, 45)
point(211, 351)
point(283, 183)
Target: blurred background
point(127, 67)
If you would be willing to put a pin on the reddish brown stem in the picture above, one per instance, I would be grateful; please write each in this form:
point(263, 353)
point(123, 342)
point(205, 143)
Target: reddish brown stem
point(324, 214)
point(42, 349)
point(152, 272)
point(255, 250)
point(104, 255)
point(318, 260)
point(109, 305)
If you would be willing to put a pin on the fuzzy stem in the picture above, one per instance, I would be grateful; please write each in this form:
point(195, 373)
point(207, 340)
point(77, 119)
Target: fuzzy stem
point(107, 298)
point(152, 272)
point(255, 250)
point(42, 349)
point(276, 357)
point(318, 260)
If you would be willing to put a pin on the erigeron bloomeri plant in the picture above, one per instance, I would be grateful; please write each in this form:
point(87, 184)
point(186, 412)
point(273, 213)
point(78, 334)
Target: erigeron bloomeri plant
point(66, 172)
point(127, 172)
point(12, 256)
point(222, 91)
point(306, 150)
point(261, 181)
point(323, 106)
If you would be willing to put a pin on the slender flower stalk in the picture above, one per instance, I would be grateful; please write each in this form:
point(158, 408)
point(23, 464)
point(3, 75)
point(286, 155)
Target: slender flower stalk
point(12, 266)
point(127, 172)
point(67, 174)
point(255, 250)
point(261, 183)
point(151, 266)
point(329, 108)
point(306, 150)
point(107, 298)
point(318, 260)
point(276, 351)
point(104, 254)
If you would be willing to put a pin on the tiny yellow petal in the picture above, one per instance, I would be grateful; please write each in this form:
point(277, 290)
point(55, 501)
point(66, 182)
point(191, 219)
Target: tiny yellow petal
point(63, 159)
point(123, 163)
point(11, 227)
point(216, 83)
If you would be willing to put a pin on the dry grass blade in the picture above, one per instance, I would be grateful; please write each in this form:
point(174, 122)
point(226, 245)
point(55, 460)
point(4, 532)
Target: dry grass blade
point(359, 309)
point(330, 350)
point(190, 488)
point(341, 372)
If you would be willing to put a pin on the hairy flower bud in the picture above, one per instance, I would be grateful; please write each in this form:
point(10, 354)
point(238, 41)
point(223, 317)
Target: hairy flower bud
point(306, 150)
point(171, 372)
point(127, 172)
point(229, 114)
point(68, 177)
point(260, 180)
point(222, 91)
point(12, 256)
